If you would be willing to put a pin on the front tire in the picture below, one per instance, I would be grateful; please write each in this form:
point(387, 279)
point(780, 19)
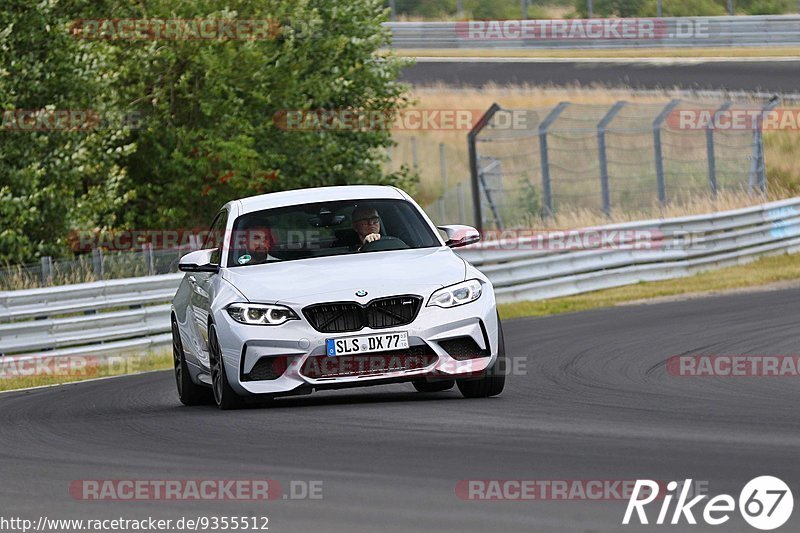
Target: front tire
point(494, 379)
point(189, 392)
point(224, 396)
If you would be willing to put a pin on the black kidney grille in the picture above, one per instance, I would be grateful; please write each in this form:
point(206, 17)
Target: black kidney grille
point(390, 312)
point(335, 317)
point(341, 317)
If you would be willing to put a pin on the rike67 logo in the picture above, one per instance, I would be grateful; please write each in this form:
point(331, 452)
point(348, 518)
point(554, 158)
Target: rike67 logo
point(765, 503)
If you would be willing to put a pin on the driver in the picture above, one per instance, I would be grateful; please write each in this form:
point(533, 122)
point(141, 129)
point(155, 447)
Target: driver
point(366, 224)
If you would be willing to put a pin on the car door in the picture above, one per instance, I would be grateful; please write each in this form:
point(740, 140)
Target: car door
point(200, 283)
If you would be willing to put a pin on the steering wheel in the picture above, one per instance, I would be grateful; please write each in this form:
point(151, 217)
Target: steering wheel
point(384, 243)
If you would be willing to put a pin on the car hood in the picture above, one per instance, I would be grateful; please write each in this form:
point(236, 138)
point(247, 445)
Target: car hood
point(337, 278)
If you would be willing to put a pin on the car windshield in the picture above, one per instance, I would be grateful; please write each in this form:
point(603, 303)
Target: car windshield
point(326, 229)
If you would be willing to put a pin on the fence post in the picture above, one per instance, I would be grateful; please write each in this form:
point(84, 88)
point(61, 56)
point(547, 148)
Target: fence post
point(601, 148)
point(97, 263)
point(47, 270)
point(544, 158)
point(149, 260)
point(659, 9)
point(443, 169)
point(461, 208)
point(524, 9)
point(590, 8)
point(488, 192)
point(393, 6)
point(730, 7)
point(472, 138)
point(710, 152)
point(657, 123)
point(414, 156)
point(460, 9)
point(758, 171)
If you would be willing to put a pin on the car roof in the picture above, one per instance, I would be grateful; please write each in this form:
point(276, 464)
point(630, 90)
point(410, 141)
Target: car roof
point(318, 194)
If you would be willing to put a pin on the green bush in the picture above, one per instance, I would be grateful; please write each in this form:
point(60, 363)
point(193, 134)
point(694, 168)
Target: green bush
point(767, 7)
point(684, 8)
point(207, 132)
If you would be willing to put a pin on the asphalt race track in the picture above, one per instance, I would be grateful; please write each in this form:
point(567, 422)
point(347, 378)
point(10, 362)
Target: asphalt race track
point(592, 401)
point(765, 76)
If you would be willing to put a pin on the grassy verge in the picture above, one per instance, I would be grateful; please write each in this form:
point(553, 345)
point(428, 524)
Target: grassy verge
point(765, 271)
point(611, 53)
point(76, 369)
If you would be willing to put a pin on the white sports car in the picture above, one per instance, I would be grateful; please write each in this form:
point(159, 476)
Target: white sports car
point(327, 288)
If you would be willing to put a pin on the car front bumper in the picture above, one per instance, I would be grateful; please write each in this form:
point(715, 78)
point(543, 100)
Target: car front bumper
point(243, 346)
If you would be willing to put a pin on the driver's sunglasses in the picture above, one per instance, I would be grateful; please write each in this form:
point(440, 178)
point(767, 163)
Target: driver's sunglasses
point(370, 220)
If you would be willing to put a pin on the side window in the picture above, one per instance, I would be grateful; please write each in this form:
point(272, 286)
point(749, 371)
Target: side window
point(216, 236)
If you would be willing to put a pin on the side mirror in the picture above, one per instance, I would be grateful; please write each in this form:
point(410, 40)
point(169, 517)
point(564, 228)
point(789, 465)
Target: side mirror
point(198, 261)
point(458, 235)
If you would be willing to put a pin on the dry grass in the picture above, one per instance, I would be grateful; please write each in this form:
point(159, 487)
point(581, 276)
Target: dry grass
point(117, 367)
point(781, 148)
point(17, 277)
point(763, 272)
point(725, 201)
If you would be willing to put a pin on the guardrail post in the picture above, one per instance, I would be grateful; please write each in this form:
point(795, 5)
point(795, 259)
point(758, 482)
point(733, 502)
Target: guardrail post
point(601, 148)
point(730, 7)
point(97, 263)
point(590, 8)
point(659, 10)
point(659, 155)
point(547, 195)
point(472, 138)
point(710, 153)
point(393, 7)
point(47, 270)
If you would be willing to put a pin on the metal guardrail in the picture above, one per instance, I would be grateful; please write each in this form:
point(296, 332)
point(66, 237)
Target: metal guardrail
point(99, 318)
point(132, 315)
point(764, 30)
point(680, 247)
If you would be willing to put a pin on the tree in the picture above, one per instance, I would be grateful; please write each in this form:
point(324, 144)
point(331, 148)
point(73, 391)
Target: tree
point(209, 134)
point(52, 178)
point(206, 134)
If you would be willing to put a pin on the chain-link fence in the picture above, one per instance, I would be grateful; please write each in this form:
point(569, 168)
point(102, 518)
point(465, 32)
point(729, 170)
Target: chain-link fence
point(622, 158)
point(93, 266)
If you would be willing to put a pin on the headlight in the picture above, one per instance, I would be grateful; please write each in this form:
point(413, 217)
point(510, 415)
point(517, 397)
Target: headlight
point(261, 314)
point(458, 294)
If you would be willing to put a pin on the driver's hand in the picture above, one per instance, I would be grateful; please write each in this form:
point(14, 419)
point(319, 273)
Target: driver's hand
point(372, 237)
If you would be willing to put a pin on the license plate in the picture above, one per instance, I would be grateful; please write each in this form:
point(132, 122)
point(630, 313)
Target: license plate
point(367, 343)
